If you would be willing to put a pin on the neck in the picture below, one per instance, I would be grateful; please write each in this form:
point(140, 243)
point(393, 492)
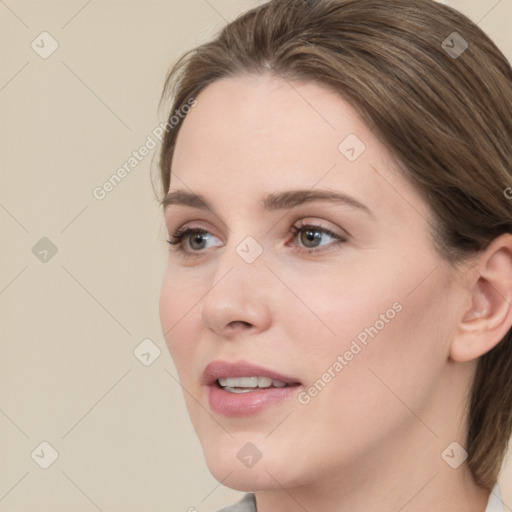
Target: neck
point(411, 482)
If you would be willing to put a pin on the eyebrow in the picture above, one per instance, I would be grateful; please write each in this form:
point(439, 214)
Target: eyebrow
point(274, 201)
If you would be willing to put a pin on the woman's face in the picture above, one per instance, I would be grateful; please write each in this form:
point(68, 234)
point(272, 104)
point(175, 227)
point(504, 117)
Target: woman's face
point(355, 314)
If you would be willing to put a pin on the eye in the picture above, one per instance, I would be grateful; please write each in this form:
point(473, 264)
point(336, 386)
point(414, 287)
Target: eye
point(195, 238)
point(311, 236)
point(190, 239)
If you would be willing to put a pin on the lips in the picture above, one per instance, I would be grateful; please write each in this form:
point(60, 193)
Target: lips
point(232, 392)
point(223, 370)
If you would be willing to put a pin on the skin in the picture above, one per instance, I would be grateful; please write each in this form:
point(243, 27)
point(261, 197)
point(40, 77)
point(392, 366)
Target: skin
point(372, 438)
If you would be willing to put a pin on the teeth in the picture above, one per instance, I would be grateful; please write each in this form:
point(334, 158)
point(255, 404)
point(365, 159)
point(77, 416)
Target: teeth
point(248, 383)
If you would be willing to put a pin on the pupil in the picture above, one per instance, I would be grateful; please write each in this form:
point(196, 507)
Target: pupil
point(311, 236)
point(199, 238)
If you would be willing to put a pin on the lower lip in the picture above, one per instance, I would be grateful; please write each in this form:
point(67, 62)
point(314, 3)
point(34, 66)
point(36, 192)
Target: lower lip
point(250, 402)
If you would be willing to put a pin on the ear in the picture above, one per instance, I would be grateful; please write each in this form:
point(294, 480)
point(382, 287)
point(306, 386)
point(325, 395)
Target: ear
point(489, 317)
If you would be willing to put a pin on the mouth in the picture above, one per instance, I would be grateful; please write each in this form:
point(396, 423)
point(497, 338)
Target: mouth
point(240, 389)
point(249, 384)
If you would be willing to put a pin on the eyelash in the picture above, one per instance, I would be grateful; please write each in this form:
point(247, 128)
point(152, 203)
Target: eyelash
point(178, 237)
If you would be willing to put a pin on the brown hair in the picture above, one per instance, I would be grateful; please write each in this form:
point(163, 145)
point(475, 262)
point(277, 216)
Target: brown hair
point(443, 110)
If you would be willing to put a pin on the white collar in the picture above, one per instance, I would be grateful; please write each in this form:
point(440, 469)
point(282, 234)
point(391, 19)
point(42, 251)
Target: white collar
point(495, 503)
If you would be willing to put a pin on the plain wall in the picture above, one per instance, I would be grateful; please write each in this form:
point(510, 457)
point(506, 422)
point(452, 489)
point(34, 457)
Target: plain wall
point(70, 321)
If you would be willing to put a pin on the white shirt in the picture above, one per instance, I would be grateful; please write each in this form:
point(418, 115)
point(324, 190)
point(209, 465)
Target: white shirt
point(248, 503)
point(495, 503)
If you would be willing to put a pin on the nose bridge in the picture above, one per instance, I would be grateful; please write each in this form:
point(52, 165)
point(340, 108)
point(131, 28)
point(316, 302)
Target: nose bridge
point(238, 292)
point(242, 267)
point(243, 254)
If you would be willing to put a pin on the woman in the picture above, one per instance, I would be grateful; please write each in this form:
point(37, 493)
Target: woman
point(338, 293)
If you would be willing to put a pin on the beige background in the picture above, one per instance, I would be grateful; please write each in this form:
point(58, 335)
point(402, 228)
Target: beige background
point(70, 324)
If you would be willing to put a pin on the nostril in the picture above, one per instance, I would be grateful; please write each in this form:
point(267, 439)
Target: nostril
point(239, 323)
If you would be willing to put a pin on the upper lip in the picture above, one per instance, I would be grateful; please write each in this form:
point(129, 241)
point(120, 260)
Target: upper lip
point(223, 369)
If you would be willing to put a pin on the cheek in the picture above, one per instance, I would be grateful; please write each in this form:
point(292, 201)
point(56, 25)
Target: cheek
point(383, 331)
point(176, 307)
point(366, 297)
point(341, 305)
point(168, 307)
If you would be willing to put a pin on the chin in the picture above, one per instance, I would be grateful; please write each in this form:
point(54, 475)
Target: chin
point(245, 479)
point(244, 465)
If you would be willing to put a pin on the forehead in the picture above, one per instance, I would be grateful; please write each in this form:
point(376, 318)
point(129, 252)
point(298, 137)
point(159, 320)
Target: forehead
point(254, 135)
point(242, 113)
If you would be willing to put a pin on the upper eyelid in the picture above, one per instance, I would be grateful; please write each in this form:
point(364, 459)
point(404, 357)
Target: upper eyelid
point(285, 201)
point(318, 225)
point(195, 225)
point(168, 214)
point(185, 229)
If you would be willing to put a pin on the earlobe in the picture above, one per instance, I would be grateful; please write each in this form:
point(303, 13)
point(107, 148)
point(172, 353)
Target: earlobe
point(488, 319)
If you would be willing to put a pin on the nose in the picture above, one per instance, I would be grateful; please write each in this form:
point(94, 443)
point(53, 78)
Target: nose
point(239, 300)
